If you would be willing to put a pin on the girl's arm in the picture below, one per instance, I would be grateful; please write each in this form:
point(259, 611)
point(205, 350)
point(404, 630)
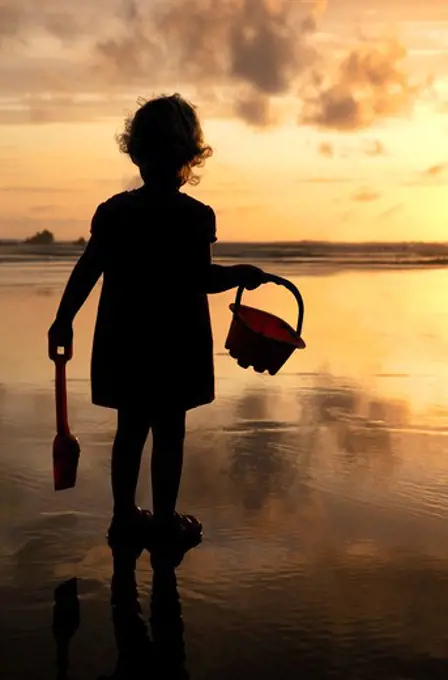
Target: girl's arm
point(220, 278)
point(214, 278)
point(86, 272)
point(83, 278)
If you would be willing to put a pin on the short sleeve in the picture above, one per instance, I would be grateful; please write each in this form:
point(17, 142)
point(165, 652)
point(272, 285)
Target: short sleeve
point(211, 225)
point(97, 223)
point(97, 243)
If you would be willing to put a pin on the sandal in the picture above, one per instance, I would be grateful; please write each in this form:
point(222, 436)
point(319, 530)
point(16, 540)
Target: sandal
point(130, 533)
point(180, 531)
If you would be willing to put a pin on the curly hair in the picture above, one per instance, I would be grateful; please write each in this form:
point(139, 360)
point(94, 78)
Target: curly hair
point(164, 139)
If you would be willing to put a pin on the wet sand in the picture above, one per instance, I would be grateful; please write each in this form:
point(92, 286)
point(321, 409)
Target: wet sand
point(323, 492)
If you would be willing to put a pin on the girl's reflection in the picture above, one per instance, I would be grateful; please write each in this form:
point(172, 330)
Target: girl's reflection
point(139, 655)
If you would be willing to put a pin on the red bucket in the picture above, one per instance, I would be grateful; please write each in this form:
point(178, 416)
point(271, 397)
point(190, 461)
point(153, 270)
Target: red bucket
point(262, 340)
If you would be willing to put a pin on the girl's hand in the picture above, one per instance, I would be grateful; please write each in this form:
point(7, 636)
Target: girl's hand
point(60, 334)
point(251, 277)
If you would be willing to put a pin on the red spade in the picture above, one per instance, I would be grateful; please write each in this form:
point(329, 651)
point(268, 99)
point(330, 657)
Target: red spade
point(66, 448)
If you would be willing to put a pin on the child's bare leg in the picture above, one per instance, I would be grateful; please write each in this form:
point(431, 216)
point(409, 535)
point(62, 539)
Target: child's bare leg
point(166, 463)
point(132, 432)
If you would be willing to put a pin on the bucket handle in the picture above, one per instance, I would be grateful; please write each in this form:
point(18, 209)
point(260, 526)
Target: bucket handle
point(279, 281)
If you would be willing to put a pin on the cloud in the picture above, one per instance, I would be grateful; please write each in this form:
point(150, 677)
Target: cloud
point(326, 149)
point(131, 183)
point(36, 189)
point(38, 209)
point(370, 148)
point(240, 208)
point(326, 180)
point(10, 16)
point(347, 216)
point(317, 10)
point(375, 148)
point(24, 19)
point(390, 212)
point(255, 109)
point(132, 51)
point(260, 45)
point(256, 42)
point(60, 107)
point(430, 177)
point(366, 196)
point(435, 170)
point(443, 107)
point(422, 184)
point(35, 223)
point(124, 45)
point(126, 48)
point(369, 84)
point(266, 50)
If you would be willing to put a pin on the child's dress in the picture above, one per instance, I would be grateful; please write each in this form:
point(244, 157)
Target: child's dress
point(153, 346)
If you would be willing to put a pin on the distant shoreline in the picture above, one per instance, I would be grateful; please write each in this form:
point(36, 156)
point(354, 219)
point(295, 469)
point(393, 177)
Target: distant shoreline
point(339, 255)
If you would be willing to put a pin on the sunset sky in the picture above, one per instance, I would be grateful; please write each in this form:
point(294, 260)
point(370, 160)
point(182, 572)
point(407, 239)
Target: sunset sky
point(329, 120)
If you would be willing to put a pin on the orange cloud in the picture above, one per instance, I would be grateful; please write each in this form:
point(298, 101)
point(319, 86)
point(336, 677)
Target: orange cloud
point(261, 47)
point(390, 212)
point(375, 148)
point(326, 180)
point(366, 196)
point(255, 109)
point(326, 149)
point(369, 84)
point(435, 170)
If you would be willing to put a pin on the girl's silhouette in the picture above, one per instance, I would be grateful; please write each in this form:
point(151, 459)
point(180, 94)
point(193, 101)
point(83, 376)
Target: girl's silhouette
point(152, 356)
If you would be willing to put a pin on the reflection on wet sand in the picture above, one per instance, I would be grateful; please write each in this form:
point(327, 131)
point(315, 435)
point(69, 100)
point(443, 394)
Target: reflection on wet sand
point(325, 540)
point(338, 424)
point(258, 465)
point(66, 620)
point(161, 655)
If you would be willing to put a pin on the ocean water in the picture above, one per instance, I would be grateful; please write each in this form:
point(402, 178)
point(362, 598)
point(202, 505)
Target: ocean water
point(323, 492)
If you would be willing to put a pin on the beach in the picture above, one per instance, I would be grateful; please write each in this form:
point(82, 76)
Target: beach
point(323, 490)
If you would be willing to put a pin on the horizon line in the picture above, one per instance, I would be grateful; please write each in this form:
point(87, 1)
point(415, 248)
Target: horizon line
point(72, 242)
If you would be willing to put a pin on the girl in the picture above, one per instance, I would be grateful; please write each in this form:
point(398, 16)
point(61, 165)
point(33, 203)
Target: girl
point(152, 356)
